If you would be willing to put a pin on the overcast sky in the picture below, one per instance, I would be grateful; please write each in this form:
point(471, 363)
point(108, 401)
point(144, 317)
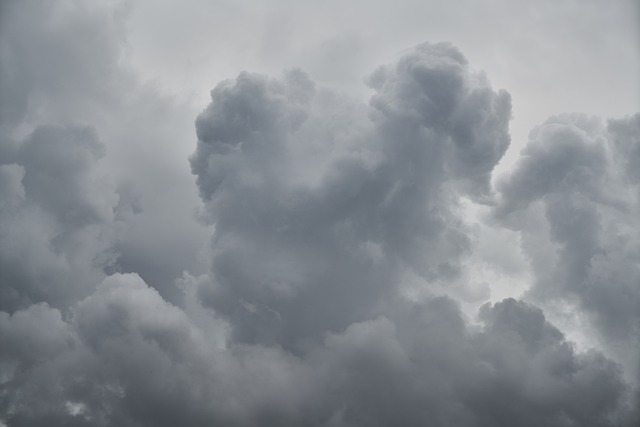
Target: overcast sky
point(332, 213)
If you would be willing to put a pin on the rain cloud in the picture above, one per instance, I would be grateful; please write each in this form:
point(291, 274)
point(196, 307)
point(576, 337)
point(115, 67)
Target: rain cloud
point(328, 277)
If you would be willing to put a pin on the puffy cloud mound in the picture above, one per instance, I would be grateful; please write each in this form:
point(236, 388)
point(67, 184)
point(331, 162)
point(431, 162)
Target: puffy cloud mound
point(57, 218)
point(575, 196)
point(325, 213)
point(66, 65)
point(322, 204)
point(126, 357)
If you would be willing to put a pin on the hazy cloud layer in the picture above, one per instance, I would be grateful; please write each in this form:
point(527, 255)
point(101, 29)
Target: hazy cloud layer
point(341, 251)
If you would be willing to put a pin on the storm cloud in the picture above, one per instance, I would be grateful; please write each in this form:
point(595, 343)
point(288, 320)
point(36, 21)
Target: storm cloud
point(321, 205)
point(578, 181)
point(126, 357)
point(335, 270)
point(57, 219)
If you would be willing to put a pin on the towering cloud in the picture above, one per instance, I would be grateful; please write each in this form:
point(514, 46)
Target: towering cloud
point(578, 180)
point(340, 240)
point(322, 205)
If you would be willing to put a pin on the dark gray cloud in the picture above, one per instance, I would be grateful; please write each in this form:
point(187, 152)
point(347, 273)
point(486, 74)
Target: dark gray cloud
point(434, 90)
point(321, 205)
point(57, 218)
point(63, 65)
point(127, 357)
point(575, 197)
point(324, 213)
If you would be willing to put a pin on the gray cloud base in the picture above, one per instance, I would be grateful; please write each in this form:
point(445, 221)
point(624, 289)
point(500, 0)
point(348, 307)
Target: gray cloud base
point(578, 180)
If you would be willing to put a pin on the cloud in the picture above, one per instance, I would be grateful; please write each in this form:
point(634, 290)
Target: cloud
point(127, 357)
point(434, 89)
point(320, 204)
point(340, 245)
point(64, 66)
point(577, 180)
point(53, 56)
point(514, 372)
point(57, 218)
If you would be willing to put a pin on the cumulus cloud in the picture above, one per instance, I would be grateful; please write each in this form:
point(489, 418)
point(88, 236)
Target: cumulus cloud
point(577, 181)
point(339, 239)
point(127, 357)
point(63, 66)
point(321, 205)
point(57, 218)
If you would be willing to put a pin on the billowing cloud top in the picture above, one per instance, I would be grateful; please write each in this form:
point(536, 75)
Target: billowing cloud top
point(321, 205)
point(340, 283)
point(578, 181)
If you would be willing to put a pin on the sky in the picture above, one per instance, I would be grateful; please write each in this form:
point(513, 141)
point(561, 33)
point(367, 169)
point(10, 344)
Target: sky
point(354, 213)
